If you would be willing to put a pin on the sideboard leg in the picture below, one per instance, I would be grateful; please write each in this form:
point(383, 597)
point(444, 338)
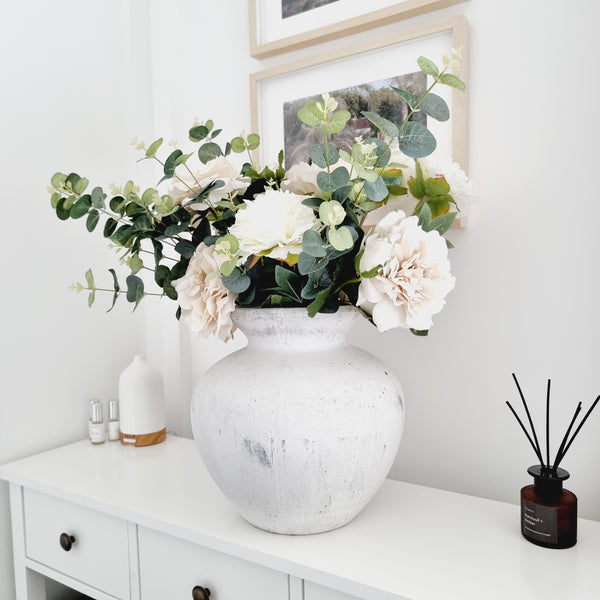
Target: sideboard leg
point(29, 584)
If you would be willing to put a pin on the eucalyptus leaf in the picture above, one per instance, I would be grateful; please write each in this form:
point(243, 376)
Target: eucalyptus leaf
point(416, 140)
point(386, 127)
point(92, 220)
point(435, 107)
point(453, 81)
point(310, 114)
point(154, 146)
point(411, 99)
point(208, 152)
point(323, 156)
point(117, 289)
point(237, 282)
point(185, 248)
point(98, 197)
point(169, 166)
point(58, 180)
point(332, 213)
point(329, 182)
point(376, 190)
point(238, 144)
point(428, 66)
point(312, 244)
point(81, 207)
point(198, 133)
point(253, 141)
point(338, 121)
point(135, 289)
point(340, 238)
point(136, 264)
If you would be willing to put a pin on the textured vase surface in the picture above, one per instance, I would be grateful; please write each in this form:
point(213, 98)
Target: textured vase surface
point(299, 428)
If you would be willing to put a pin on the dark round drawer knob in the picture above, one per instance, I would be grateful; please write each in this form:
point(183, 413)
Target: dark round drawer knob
point(66, 541)
point(200, 593)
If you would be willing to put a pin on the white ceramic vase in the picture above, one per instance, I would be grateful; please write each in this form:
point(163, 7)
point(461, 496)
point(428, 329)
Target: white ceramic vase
point(298, 429)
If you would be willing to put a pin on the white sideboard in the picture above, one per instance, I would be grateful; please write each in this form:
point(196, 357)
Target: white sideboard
point(150, 524)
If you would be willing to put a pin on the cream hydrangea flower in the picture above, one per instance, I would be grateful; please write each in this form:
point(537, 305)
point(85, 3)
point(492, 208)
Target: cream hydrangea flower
point(273, 225)
point(206, 304)
point(218, 168)
point(415, 276)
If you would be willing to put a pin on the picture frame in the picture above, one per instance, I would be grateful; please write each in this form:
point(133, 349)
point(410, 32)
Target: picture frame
point(271, 33)
point(371, 61)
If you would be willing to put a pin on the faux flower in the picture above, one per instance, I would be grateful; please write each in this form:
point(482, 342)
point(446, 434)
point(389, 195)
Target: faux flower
point(414, 278)
point(301, 178)
point(206, 304)
point(273, 225)
point(185, 184)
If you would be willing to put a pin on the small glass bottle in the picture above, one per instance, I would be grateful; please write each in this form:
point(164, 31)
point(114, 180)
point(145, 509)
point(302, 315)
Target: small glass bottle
point(91, 416)
point(98, 429)
point(114, 432)
point(548, 512)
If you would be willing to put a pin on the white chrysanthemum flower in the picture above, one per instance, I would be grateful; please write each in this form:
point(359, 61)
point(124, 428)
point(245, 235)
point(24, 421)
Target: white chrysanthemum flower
point(415, 276)
point(217, 169)
point(301, 178)
point(206, 304)
point(273, 225)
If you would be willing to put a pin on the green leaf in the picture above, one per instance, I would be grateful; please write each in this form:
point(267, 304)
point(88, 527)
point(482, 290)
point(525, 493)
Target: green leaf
point(91, 298)
point(420, 332)
point(442, 223)
point(136, 264)
point(180, 160)
point(80, 186)
point(89, 278)
point(98, 197)
point(453, 81)
point(227, 267)
point(253, 140)
point(198, 133)
point(92, 220)
point(81, 207)
point(411, 99)
point(376, 190)
point(323, 156)
point(416, 140)
point(238, 144)
point(185, 248)
point(170, 163)
point(425, 217)
point(329, 182)
point(309, 264)
point(285, 279)
point(61, 212)
point(386, 127)
point(237, 282)
point(312, 244)
point(109, 227)
point(135, 289)
point(341, 238)
point(149, 196)
point(317, 304)
point(116, 288)
point(310, 114)
point(332, 213)
point(436, 186)
point(142, 223)
point(435, 107)
point(154, 146)
point(117, 204)
point(122, 235)
point(208, 152)
point(337, 123)
point(427, 66)
point(58, 180)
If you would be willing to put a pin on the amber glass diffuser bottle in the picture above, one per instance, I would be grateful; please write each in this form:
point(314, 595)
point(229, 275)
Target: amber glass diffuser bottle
point(548, 511)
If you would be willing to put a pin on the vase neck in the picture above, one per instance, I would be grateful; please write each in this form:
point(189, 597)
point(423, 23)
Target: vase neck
point(292, 330)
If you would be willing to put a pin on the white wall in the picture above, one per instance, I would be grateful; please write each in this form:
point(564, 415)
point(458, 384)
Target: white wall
point(65, 104)
point(527, 277)
point(79, 79)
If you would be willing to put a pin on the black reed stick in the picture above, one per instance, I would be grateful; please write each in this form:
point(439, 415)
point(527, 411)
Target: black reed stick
point(548, 426)
point(535, 449)
point(564, 440)
point(587, 414)
point(537, 444)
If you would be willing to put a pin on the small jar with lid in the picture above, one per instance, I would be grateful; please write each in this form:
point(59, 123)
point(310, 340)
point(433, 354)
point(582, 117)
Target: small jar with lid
point(97, 426)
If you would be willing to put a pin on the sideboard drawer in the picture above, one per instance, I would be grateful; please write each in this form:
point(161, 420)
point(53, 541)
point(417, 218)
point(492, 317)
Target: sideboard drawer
point(99, 553)
point(312, 591)
point(171, 568)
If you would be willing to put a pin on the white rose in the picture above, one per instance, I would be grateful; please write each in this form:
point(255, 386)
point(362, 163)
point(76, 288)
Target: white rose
point(273, 225)
point(301, 178)
point(186, 184)
point(415, 276)
point(206, 304)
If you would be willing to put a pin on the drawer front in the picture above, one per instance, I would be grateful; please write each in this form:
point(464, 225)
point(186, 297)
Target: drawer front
point(312, 591)
point(171, 568)
point(99, 555)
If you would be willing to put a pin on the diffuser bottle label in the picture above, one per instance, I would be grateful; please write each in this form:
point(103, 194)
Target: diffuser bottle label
point(540, 522)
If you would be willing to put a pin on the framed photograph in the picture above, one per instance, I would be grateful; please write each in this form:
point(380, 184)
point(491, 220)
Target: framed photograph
point(283, 25)
point(361, 77)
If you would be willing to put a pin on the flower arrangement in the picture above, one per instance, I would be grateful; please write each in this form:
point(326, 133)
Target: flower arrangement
point(319, 235)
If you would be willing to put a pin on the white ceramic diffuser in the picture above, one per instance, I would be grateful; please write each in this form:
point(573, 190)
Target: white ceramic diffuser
point(142, 404)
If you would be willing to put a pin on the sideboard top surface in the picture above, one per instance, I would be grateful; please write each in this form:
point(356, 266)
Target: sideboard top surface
point(410, 542)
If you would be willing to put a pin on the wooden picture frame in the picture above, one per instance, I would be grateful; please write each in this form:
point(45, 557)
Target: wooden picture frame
point(272, 88)
point(271, 33)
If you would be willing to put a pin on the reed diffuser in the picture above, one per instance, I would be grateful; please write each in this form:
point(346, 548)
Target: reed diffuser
point(548, 511)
